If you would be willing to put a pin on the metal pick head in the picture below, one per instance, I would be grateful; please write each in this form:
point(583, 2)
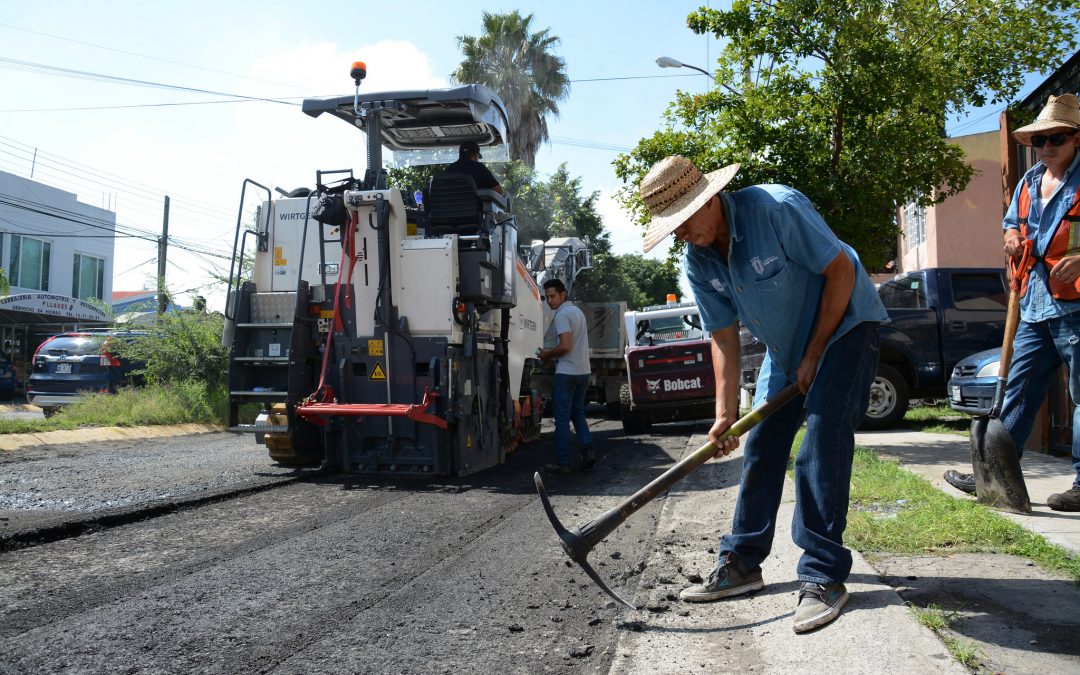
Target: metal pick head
point(573, 544)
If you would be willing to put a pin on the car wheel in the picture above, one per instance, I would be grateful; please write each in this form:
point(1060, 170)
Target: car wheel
point(49, 412)
point(633, 422)
point(889, 396)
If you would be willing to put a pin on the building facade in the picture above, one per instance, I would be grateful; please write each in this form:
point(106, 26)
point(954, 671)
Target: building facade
point(57, 254)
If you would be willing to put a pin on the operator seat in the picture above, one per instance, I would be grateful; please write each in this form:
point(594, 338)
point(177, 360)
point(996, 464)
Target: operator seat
point(454, 207)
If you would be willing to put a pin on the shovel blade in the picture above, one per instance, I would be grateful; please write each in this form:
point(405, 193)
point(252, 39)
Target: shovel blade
point(999, 482)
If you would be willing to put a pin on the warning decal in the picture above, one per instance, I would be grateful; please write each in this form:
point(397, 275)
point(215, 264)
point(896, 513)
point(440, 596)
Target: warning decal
point(377, 373)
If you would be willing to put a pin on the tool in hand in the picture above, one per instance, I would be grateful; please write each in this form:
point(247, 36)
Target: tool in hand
point(579, 541)
point(999, 481)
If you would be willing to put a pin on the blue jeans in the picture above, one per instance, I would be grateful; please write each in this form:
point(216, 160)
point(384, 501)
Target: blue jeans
point(569, 406)
point(835, 405)
point(1038, 351)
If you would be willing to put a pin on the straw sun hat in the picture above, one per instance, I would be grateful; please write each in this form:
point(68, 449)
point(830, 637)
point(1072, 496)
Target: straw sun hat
point(1060, 111)
point(673, 190)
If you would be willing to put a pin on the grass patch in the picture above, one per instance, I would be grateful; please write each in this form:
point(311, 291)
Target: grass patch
point(938, 619)
point(895, 511)
point(934, 617)
point(963, 651)
point(177, 403)
point(892, 510)
point(936, 418)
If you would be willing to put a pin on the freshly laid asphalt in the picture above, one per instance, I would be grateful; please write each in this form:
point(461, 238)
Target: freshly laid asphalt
point(875, 633)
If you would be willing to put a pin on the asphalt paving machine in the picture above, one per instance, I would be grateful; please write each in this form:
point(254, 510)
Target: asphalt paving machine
point(382, 333)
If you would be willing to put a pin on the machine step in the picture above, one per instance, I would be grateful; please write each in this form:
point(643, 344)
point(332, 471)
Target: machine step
point(268, 360)
point(266, 324)
point(257, 429)
point(262, 393)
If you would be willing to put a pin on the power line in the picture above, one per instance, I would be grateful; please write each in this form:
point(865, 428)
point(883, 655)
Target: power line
point(134, 187)
point(145, 56)
point(29, 66)
point(629, 77)
point(120, 107)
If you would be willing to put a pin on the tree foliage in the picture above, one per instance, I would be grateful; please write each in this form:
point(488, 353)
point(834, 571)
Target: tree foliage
point(522, 68)
point(630, 278)
point(182, 346)
point(846, 100)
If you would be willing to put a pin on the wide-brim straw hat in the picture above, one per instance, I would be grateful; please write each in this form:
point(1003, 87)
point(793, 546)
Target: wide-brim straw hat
point(1060, 111)
point(673, 190)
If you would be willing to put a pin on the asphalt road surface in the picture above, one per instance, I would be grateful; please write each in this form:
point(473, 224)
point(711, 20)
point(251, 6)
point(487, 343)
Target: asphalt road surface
point(243, 566)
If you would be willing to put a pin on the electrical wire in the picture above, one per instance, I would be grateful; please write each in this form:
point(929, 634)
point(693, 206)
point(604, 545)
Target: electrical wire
point(60, 71)
point(144, 56)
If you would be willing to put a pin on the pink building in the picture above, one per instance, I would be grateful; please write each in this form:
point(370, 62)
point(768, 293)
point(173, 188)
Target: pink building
point(964, 230)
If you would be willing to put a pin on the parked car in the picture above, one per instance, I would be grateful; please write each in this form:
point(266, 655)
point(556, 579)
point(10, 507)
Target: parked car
point(70, 364)
point(7, 378)
point(973, 382)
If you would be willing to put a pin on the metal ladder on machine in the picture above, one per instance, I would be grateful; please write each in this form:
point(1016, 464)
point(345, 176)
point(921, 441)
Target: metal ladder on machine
point(272, 352)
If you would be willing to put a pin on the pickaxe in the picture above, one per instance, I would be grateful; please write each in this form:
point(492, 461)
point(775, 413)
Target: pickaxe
point(579, 541)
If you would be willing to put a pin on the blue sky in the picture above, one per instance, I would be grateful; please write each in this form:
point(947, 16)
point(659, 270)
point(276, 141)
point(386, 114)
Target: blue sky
point(200, 154)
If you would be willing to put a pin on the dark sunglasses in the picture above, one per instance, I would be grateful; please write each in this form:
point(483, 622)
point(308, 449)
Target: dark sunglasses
point(1056, 140)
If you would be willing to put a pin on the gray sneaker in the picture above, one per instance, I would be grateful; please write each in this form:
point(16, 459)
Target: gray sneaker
point(818, 605)
point(729, 577)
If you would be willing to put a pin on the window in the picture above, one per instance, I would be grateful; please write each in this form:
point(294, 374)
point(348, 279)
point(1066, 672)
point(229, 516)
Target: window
point(914, 225)
point(979, 291)
point(88, 277)
point(29, 263)
point(906, 293)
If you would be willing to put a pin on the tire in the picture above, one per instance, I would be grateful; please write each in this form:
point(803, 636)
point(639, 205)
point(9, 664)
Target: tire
point(633, 422)
point(888, 403)
point(613, 410)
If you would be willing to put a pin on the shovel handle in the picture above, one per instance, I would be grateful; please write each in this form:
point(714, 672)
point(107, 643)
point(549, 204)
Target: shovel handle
point(1012, 322)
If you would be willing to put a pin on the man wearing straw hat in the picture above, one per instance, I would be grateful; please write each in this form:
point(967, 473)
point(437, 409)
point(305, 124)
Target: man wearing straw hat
point(764, 256)
point(1044, 216)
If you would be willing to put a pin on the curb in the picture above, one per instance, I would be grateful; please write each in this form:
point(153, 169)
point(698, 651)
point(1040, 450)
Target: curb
point(10, 442)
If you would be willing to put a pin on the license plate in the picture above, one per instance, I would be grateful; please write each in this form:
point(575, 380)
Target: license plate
point(63, 367)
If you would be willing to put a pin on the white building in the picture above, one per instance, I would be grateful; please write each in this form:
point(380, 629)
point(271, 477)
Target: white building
point(52, 242)
point(57, 253)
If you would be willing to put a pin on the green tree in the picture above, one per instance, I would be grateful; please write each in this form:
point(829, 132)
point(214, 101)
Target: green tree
point(846, 100)
point(609, 280)
point(521, 67)
point(655, 278)
point(182, 346)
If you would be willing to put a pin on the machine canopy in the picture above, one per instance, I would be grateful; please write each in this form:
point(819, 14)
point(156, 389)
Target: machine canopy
point(424, 127)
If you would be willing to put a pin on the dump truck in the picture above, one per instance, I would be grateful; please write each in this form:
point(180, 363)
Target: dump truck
point(564, 258)
point(383, 333)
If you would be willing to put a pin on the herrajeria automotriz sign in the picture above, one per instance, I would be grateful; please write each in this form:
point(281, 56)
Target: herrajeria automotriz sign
point(52, 305)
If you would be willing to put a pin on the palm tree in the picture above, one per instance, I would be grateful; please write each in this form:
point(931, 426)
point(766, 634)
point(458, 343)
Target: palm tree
point(522, 69)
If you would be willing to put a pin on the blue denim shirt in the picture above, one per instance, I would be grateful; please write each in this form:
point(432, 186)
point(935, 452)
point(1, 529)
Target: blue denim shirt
point(1037, 303)
point(772, 278)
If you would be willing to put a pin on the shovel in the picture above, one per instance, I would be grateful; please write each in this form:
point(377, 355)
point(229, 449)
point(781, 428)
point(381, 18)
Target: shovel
point(579, 541)
point(999, 482)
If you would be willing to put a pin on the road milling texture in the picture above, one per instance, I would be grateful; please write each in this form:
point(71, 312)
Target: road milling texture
point(339, 574)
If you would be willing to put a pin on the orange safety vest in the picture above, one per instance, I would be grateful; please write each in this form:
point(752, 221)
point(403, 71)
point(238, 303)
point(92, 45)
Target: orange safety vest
point(1066, 241)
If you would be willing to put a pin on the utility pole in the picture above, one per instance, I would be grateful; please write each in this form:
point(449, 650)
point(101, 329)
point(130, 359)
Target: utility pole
point(163, 249)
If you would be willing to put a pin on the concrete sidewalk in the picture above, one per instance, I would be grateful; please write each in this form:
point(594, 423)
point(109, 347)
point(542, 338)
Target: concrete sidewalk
point(875, 633)
point(930, 455)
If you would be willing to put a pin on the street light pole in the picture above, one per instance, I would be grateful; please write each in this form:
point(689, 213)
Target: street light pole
point(668, 62)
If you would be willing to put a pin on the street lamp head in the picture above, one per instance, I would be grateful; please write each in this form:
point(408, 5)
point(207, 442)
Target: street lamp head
point(668, 62)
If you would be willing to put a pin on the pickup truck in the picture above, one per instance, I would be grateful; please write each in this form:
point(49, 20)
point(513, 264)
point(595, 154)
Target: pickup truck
point(937, 316)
